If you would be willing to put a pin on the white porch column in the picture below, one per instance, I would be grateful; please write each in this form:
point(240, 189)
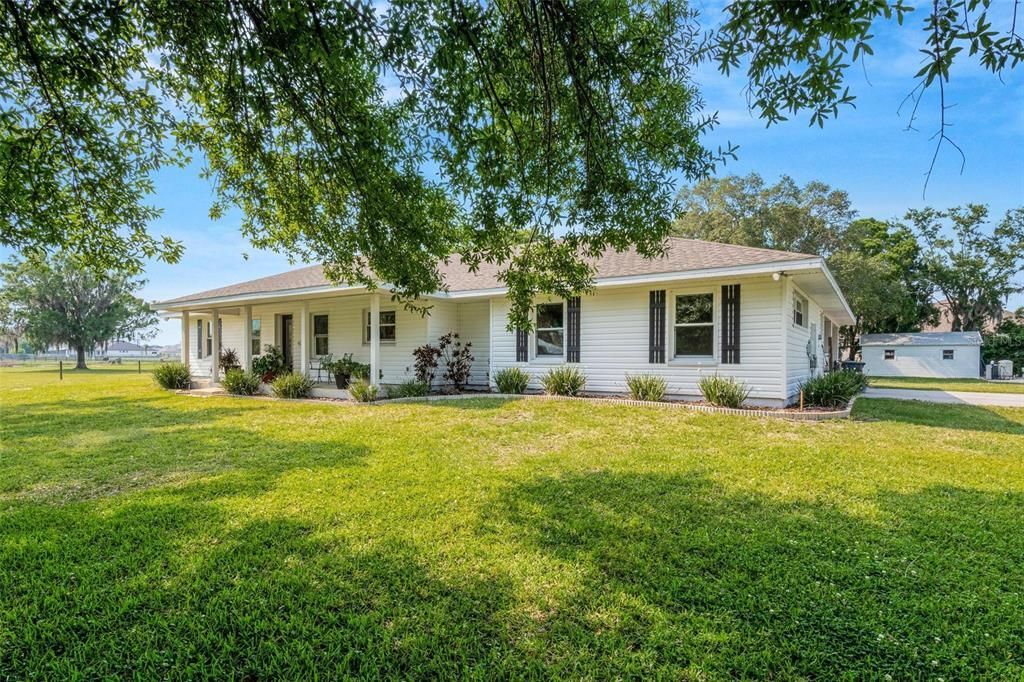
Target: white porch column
point(215, 354)
point(374, 338)
point(246, 357)
point(303, 367)
point(186, 332)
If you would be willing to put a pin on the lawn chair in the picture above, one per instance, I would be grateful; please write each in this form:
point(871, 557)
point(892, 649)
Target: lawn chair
point(320, 365)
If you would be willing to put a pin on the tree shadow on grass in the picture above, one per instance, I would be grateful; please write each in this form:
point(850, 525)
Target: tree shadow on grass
point(667, 576)
point(62, 452)
point(963, 417)
point(169, 587)
point(684, 579)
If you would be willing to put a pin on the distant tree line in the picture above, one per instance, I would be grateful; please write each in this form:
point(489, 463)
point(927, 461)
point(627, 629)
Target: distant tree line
point(893, 272)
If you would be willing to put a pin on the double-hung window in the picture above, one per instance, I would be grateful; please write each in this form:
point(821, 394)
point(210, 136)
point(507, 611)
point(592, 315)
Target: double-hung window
point(947, 354)
point(799, 310)
point(388, 326)
point(890, 354)
point(209, 337)
point(694, 325)
point(320, 335)
point(550, 330)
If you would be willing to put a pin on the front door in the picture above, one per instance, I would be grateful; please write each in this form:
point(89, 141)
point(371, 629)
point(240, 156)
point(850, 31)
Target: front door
point(286, 340)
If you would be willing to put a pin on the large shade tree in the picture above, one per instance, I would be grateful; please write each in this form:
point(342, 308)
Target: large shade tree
point(748, 211)
point(388, 136)
point(974, 265)
point(65, 303)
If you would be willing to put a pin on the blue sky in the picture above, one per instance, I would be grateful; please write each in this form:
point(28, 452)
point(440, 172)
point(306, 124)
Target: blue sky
point(866, 152)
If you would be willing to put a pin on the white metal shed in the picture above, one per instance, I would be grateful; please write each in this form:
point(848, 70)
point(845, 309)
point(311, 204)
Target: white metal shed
point(924, 354)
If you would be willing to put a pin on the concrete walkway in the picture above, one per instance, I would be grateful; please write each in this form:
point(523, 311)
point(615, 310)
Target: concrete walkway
point(956, 397)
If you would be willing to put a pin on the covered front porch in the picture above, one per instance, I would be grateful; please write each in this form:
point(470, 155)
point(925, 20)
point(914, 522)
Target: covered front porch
point(310, 330)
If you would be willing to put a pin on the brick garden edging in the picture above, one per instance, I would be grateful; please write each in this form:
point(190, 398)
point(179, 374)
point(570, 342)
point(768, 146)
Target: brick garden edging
point(811, 416)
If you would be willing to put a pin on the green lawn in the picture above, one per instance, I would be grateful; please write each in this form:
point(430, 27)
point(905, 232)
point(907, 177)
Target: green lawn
point(151, 535)
point(928, 384)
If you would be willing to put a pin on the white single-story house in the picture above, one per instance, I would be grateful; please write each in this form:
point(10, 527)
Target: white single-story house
point(949, 355)
point(769, 318)
point(126, 349)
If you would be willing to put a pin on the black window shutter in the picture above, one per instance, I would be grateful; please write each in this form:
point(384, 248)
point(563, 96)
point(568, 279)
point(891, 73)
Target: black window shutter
point(731, 324)
point(522, 346)
point(572, 324)
point(657, 327)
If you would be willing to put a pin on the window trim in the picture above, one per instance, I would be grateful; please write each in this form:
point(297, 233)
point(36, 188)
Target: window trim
point(536, 328)
point(670, 327)
point(805, 310)
point(256, 336)
point(366, 326)
point(326, 336)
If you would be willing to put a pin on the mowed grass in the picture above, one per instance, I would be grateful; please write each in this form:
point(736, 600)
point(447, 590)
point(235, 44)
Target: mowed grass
point(152, 535)
point(933, 384)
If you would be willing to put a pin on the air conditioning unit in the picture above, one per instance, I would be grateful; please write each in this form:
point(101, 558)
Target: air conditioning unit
point(1005, 369)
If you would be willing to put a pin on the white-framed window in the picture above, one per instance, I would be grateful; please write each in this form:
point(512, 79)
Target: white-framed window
point(257, 332)
point(799, 310)
point(948, 354)
point(388, 326)
point(890, 354)
point(209, 335)
point(550, 326)
point(694, 325)
point(320, 335)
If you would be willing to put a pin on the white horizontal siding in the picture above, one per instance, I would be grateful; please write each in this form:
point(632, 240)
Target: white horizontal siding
point(614, 340)
point(474, 327)
point(345, 332)
point(798, 365)
point(923, 361)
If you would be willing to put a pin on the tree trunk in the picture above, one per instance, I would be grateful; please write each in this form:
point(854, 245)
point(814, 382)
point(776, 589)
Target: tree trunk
point(81, 357)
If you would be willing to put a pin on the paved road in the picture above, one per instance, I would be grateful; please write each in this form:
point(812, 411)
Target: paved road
point(958, 397)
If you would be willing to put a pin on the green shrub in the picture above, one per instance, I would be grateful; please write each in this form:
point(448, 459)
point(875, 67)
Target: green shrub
point(292, 385)
point(409, 389)
point(564, 381)
point(362, 391)
point(512, 380)
point(723, 391)
point(172, 375)
point(646, 387)
point(237, 382)
point(834, 389)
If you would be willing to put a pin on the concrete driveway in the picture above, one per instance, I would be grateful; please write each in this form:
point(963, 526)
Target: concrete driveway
point(955, 397)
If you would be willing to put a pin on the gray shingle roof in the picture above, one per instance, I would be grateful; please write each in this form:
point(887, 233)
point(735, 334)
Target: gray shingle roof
point(681, 255)
point(922, 339)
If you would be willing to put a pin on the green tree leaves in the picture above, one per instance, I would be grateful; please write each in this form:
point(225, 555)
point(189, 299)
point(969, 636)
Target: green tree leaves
point(81, 130)
point(974, 267)
point(61, 302)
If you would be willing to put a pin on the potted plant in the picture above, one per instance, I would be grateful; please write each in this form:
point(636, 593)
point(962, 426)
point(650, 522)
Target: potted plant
point(345, 369)
point(268, 365)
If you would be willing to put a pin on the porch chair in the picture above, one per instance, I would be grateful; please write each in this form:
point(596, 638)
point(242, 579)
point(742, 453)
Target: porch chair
point(319, 365)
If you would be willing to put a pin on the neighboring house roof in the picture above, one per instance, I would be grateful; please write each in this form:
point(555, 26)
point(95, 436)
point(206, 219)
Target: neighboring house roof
point(923, 339)
point(123, 346)
point(681, 255)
